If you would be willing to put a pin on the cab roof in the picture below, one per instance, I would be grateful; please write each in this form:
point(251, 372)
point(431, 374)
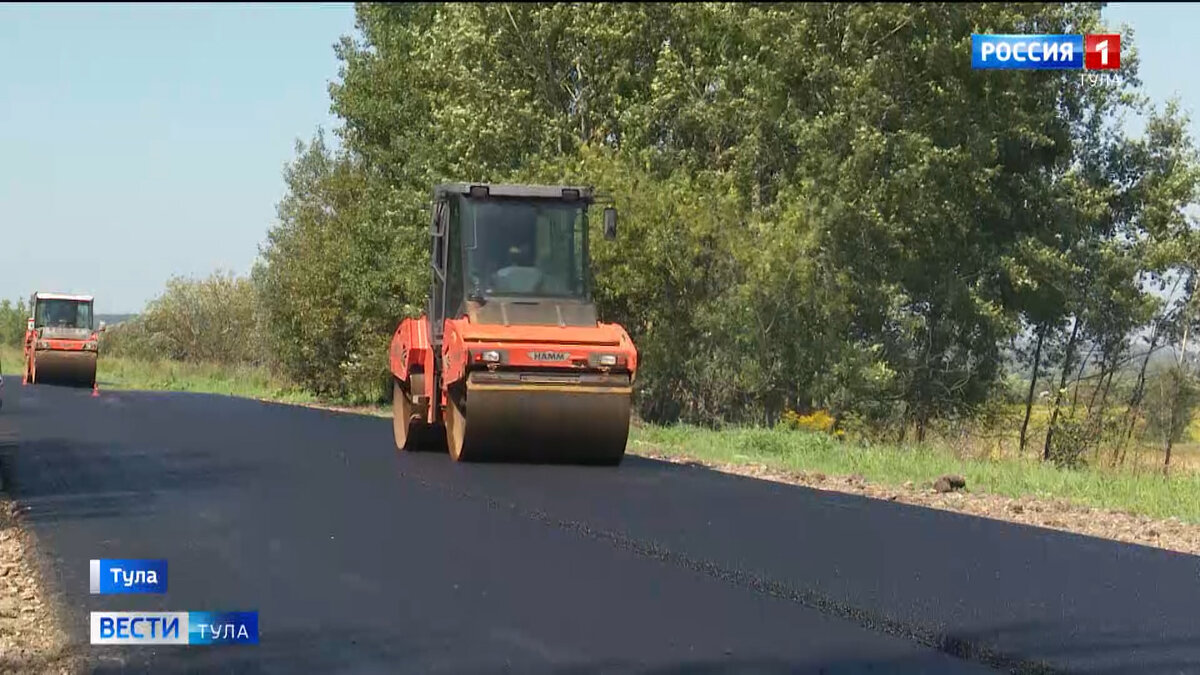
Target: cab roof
point(44, 295)
point(562, 192)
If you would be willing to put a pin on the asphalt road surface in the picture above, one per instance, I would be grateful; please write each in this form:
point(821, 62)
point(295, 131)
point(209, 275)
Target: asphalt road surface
point(362, 559)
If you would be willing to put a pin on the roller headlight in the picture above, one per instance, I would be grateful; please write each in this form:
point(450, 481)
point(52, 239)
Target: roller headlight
point(604, 360)
point(490, 356)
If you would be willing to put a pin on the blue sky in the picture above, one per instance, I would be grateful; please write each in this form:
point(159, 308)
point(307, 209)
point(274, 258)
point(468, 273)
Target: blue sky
point(1167, 55)
point(141, 141)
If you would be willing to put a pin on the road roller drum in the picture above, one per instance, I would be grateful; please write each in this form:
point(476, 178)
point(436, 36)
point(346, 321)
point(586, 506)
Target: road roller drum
point(539, 418)
point(77, 368)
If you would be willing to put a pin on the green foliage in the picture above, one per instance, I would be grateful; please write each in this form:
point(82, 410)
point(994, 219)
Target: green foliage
point(805, 225)
point(12, 322)
point(1072, 440)
point(1173, 397)
point(212, 320)
point(342, 267)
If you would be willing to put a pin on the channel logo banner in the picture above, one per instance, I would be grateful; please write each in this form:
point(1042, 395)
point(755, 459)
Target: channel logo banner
point(1027, 52)
point(139, 628)
point(127, 576)
point(174, 628)
point(222, 628)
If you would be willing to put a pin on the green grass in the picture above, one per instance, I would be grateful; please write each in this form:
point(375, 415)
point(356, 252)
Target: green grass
point(10, 361)
point(245, 381)
point(165, 375)
point(1140, 492)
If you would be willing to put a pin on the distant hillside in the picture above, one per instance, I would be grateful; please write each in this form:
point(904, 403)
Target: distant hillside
point(1163, 357)
point(113, 319)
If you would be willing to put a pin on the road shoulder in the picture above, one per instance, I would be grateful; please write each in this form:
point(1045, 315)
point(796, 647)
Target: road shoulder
point(32, 639)
point(1170, 534)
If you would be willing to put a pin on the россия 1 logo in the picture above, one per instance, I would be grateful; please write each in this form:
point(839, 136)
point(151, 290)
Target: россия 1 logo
point(1045, 52)
point(1102, 52)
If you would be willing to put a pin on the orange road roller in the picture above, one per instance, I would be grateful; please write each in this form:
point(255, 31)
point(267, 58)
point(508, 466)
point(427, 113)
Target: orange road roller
point(61, 345)
point(510, 361)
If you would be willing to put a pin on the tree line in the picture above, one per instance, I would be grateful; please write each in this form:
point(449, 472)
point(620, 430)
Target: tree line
point(823, 208)
point(12, 324)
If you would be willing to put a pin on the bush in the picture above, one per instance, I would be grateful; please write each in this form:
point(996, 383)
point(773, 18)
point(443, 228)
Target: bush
point(1171, 401)
point(12, 322)
point(1070, 442)
point(762, 441)
point(818, 420)
point(130, 339)
point(212, 320)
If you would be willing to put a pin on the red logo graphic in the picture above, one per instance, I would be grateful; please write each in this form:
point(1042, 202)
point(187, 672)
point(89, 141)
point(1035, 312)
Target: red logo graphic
point(1102, 52)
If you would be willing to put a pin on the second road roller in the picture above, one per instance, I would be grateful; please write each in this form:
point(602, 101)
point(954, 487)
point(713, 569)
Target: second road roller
point(61, 345)
point(510, 361)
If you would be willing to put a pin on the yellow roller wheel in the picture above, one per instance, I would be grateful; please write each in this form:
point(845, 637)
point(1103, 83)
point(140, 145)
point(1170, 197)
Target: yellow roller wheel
point(412, 432)
point(456, 428)
point(402, 416)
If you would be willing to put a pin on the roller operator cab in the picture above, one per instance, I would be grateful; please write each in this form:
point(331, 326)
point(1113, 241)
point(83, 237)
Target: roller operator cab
point(510, 360)
point(61, 340)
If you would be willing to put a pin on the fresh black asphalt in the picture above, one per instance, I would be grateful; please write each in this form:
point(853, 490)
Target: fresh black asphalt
point(362, 559)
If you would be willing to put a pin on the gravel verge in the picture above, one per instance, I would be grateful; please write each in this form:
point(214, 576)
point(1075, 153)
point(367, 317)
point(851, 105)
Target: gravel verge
point(31, 635)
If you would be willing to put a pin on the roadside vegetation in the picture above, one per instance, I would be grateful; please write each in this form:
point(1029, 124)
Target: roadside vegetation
point(116, 372)
point(895, 267)
point(1138, 491)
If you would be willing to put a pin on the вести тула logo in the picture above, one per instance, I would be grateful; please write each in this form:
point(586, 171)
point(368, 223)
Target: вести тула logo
point(174, 628)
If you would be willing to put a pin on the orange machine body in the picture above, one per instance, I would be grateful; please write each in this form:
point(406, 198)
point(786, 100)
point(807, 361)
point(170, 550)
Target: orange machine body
point(561, 349)
point(510, 360)
point(51, 355)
